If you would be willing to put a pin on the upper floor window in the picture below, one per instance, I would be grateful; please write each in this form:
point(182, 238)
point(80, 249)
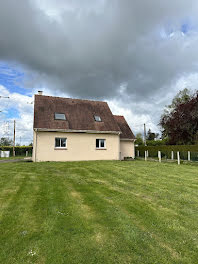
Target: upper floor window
point(59, 116)
point(97, 118)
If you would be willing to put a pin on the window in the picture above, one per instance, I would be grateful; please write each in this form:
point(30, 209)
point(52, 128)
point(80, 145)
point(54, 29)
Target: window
point(100, 143)
point(59, 116)
point(97, 118)
point(60, 142)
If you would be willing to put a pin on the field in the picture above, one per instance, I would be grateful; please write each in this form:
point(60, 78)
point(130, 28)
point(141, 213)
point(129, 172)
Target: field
point(98, 212)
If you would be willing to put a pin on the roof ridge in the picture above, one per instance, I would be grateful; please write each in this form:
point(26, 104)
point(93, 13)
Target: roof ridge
point(77, 99)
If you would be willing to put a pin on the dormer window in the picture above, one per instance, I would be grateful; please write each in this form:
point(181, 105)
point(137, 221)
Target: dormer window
point(97, 118)
point(59, 116)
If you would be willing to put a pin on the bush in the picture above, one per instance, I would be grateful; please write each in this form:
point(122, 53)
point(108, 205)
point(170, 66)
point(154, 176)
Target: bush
point(156, 142)
point(19, 151)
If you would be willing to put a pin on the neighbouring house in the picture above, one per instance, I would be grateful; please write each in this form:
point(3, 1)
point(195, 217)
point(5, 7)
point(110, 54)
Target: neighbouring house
point(68, 129)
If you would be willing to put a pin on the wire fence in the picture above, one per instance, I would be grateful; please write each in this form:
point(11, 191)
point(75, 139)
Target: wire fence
point(169, 155)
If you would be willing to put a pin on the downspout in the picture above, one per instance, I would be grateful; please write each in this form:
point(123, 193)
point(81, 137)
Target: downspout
point(35, 145)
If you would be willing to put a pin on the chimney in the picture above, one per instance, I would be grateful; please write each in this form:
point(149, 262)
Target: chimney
point(40, 92)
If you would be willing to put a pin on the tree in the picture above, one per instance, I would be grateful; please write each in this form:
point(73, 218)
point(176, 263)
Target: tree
point(150, 135)
point(181, 97)
point(139, 139)
point(6, 142)
point(179, 121)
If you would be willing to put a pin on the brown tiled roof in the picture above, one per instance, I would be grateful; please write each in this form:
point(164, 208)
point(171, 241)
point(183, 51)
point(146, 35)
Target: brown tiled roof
point(124, 127)
point(79, 114)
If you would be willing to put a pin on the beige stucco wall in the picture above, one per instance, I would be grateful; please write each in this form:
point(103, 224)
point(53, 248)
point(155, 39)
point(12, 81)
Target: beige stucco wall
point(80, 146)
point(127, 148)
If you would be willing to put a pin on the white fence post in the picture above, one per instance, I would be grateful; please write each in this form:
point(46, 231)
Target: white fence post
point(178, 158)
point(188, 155)
point(145, 155)
point(138, 153)
point(26, 153)
point(159, 156)
point(172, 155)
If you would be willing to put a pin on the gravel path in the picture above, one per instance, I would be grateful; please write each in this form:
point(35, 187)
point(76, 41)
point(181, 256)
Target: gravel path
point(15, 160)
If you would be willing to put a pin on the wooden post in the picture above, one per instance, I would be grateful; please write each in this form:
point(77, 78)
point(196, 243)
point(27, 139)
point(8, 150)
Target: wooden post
point(178, 158)
point(159, 156)
point(145, 155)
point(188, 155)
point(14, 139)
point(172, 155)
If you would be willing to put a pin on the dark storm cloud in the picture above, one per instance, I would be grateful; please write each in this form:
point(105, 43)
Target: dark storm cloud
point(96, 46)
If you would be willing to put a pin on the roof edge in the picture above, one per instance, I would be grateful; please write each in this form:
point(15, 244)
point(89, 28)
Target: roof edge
point(128, 139)
point(77, 131)
point(78, 99)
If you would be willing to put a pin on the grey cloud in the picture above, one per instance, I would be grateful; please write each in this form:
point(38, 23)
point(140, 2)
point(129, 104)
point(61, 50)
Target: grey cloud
point(98, 45)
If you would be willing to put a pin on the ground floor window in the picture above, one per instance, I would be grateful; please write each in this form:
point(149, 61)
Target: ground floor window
point(100, 143)
point(60, 142)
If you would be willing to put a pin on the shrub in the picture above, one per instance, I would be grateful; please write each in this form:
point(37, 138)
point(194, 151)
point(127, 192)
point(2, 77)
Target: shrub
point(156, 142)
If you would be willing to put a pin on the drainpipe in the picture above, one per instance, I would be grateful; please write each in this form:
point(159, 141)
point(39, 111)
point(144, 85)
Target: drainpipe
point(35, 150)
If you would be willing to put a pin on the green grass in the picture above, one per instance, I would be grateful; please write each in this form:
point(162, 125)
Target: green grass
point(98, 212)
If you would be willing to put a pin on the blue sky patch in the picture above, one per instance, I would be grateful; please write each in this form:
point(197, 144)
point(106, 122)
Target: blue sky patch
point(12, 78)
point(12, 113)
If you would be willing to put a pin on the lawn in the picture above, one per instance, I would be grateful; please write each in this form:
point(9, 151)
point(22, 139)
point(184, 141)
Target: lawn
point(98, 212)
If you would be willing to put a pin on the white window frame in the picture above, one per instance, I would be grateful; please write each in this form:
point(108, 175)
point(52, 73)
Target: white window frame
point(60, 144)
point(101, 139)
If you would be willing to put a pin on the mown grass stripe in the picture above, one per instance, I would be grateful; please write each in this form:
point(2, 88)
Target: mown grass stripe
point(99, 212)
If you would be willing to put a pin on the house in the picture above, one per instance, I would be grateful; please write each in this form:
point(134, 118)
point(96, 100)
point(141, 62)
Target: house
point(68, 129)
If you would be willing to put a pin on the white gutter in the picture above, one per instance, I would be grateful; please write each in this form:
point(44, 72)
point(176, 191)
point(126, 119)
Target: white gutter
point(77, 131)
point(128, 139)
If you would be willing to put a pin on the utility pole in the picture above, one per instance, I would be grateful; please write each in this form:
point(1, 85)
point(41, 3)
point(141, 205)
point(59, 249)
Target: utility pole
point(144, 134)
point(14, 139)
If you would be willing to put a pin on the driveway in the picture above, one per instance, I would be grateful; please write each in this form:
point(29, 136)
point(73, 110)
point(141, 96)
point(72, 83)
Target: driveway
point(16, 160)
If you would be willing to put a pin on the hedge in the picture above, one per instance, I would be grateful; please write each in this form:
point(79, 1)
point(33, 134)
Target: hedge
point(19, 151)
point(166, 150)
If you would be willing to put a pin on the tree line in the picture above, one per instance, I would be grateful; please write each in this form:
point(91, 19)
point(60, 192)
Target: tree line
point(178, 123)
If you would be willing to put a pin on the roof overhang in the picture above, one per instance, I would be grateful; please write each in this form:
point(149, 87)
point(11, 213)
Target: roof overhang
point(128, 139)
point(77, 131)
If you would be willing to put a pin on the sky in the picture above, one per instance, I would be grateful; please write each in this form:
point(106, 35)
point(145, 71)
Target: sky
point(134, 54)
